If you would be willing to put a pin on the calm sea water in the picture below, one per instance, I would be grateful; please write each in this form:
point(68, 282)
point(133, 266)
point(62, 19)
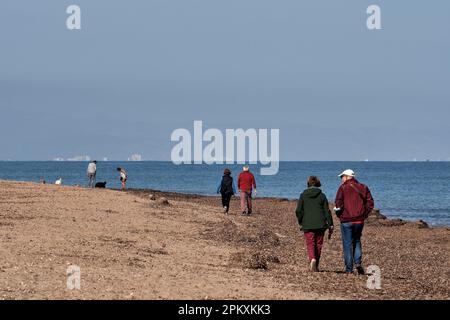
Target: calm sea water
point(407, 190)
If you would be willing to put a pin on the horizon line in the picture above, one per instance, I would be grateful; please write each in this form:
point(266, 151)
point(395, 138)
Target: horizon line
point(425, 160)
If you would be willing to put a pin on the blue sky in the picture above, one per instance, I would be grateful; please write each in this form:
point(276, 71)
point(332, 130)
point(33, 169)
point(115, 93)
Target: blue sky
point(137, 70)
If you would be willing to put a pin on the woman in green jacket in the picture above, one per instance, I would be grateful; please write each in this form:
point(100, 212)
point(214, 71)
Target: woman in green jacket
point(314, 218)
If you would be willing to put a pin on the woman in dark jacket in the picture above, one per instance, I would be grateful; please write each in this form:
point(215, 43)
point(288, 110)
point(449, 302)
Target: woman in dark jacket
point(314, 218)
point(227, 189)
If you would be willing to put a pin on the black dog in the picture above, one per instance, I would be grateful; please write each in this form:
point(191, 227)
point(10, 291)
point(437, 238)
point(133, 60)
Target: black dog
point(100, 185)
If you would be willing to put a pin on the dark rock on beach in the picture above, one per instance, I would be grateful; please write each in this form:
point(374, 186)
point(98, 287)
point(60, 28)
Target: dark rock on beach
point(422, 224)
point(376, 214)
point(393, 222)
point(162, 201)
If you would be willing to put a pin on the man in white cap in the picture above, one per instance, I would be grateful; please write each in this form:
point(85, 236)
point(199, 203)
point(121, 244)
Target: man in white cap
point(354, 203)
point(246, 183)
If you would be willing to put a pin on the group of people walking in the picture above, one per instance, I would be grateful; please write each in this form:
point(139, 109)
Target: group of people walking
point(246, 186)
point(353, 204)
point(92, 173)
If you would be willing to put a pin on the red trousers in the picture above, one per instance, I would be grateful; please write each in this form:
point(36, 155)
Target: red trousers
point(314, 242)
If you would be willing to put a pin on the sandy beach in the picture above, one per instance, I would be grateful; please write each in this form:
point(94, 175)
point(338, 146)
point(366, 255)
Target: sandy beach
point(130, 247)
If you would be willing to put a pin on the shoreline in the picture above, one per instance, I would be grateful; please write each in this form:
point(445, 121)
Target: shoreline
point(377, 213)
point(405, 207)
point(184, 195)
point(398, 218)
point(129, 246)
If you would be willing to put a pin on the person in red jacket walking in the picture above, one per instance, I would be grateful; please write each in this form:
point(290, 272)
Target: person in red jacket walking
point(354, 203)
point(246, 183)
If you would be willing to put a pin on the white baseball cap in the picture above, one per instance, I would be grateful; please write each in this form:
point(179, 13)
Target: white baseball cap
point(348, 172)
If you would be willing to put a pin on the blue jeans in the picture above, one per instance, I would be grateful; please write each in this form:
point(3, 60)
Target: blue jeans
point(351, 243)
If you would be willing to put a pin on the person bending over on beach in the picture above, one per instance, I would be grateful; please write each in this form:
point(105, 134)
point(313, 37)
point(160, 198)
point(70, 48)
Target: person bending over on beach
point(314, 217)
point(91, 173)
point(123, 177)
point(227, 189)
point(246, 182)
point(354, 203)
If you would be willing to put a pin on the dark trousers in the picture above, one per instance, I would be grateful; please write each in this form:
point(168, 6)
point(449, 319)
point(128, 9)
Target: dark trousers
point(91, 177)
point(226, 198)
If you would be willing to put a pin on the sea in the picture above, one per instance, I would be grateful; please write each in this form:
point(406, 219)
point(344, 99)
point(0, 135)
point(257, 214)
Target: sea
point(407, 190)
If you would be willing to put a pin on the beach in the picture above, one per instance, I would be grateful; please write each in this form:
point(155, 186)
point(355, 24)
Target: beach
point(128, 246)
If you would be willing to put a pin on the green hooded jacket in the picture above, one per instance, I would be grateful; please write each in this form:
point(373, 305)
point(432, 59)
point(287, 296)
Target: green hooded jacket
point(312, 210)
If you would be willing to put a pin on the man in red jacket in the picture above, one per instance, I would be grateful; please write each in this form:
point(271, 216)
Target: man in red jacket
point(354, 203)
point(246, 182)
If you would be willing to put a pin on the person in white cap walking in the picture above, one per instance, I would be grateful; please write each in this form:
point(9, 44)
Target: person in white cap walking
point(246, 183)
point(354, 203)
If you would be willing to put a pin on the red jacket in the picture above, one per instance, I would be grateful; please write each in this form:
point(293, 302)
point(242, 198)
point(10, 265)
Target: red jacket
point(246, 181)
point(355, 201)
